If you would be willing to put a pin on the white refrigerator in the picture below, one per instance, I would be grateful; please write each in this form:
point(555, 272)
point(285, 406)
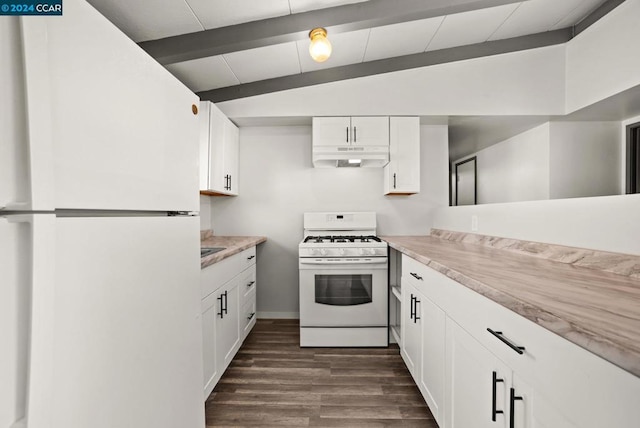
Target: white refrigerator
point(99, 260)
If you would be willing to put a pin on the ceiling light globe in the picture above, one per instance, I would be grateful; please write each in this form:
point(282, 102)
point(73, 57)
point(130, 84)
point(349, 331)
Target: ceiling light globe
point(320, 47)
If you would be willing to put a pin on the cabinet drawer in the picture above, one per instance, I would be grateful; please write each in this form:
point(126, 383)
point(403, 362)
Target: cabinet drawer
point(247, 317)
point(247, 284)
point(415, 271)
point(218, 274)
point(247, 258)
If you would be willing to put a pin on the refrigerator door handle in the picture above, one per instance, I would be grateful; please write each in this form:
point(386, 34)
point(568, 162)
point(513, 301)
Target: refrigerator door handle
point(39, 122)
point(35, 384)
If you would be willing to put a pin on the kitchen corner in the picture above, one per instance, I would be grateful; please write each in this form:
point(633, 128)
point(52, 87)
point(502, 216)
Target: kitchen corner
point(228, 285)
point(555, 320)
point(231, 245)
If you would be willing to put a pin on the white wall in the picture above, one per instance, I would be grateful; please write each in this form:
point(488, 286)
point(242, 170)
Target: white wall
point(279, 184)
point(528, 83)
point(584, 159)
point(205, 213)
point(603, 60)
point(516, 169)
point(607, 223)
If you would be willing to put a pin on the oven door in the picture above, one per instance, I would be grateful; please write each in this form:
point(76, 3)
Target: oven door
point(343, 292)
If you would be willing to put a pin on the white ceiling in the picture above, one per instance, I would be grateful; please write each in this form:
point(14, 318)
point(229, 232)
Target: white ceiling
point(143, 20)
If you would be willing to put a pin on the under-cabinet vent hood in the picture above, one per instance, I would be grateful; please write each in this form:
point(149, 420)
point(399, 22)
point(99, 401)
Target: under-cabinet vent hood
point(350, 156)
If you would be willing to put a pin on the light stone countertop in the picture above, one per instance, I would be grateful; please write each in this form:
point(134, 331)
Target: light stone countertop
point(597, 310)
point(232, 244)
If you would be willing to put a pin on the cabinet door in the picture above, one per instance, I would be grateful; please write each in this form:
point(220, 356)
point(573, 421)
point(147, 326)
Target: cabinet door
point(470, 368)
point(331, 131)
point(227, 325)
point(217, 172)
point(231, 147)
point(370, 131)
point(402, 173)
point(209, 339)
point(431, 380)
point(248, 317)
point(411, 330)
point(529, 409)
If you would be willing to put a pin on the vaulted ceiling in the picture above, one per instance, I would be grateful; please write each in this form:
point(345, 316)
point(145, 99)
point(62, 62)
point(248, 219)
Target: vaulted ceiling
point(230, 49)
point(226, 49)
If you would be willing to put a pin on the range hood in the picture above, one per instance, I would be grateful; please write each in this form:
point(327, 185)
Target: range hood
point(350, 156)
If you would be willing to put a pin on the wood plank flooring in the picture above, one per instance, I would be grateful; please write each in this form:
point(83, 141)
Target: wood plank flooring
point(272, 382)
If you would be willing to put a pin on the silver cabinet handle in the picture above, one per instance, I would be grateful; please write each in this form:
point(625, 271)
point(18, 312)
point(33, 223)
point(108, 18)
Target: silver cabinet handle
point(416, 276)
point(251, 283)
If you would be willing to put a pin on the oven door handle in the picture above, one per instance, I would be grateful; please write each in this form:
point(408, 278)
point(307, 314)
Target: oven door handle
point(376, 261)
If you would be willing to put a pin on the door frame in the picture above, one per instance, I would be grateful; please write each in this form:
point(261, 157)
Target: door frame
point(632, 164)
point(475, 178)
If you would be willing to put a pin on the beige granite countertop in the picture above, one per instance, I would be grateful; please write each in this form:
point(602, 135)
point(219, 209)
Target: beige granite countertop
point(232, 244)
point(595, 309)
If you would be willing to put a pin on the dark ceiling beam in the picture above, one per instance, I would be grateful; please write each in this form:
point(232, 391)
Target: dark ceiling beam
point(388, 65)
point(283, 29)
point(594, 16)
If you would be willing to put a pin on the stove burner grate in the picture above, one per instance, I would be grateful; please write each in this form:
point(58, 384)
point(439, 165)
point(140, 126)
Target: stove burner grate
point(341, 239)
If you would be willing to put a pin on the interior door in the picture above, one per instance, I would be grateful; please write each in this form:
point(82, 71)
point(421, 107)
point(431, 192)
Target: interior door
point(127, 327)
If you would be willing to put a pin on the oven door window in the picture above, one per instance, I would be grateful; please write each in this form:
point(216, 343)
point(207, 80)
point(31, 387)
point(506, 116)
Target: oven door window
point(343, 290)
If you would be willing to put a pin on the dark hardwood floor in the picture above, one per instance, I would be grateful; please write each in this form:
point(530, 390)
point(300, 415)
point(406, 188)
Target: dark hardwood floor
point(272, 382)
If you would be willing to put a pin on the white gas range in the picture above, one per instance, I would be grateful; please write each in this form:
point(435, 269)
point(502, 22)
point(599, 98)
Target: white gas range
point(343, 281)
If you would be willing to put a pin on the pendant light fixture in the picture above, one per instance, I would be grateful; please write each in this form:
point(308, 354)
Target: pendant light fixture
point(319, 48)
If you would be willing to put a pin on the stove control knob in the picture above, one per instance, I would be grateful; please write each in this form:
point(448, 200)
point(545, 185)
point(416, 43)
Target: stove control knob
point(372, 251)
point(342, 251)
point(362, 251)
point(323, 251)
point(313, 251)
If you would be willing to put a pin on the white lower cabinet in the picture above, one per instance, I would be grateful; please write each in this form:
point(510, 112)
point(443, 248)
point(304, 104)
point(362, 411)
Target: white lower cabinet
point(227, 323)
point(423, 343)
point(228, 312)
point(518, 375)
point(209, 340)
point(477, 383)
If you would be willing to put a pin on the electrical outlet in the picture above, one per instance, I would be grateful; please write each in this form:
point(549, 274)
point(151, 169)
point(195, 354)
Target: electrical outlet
point(474, 223)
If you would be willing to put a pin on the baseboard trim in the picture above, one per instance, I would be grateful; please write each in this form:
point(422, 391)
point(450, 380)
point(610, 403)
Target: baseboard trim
point(279, 315)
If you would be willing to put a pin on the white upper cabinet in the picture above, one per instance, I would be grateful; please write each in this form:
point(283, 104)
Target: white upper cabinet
point(116, 129)
point(331, 131)
point(370, 131)
point(402, 173)
point(219, 145)
point(360, 131)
